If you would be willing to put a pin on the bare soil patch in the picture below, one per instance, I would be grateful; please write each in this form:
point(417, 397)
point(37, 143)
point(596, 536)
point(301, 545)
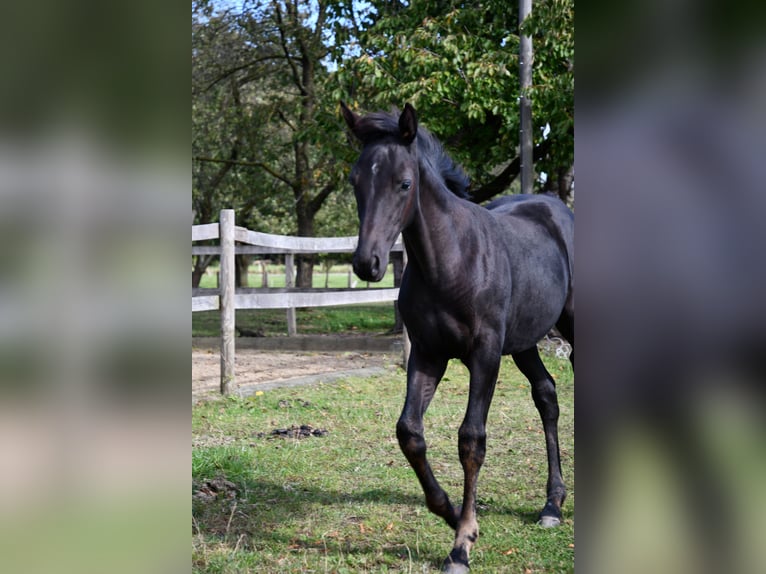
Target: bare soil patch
point(255, 368)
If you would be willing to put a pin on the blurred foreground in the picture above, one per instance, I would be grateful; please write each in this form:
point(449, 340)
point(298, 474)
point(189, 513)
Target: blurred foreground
point(671, 204)
point(94, 188)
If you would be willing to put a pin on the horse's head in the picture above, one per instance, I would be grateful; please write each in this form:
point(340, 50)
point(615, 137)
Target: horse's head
point(385, 180)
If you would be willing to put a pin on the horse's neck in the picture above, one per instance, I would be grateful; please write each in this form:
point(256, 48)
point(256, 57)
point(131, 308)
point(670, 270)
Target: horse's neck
point(433, 238)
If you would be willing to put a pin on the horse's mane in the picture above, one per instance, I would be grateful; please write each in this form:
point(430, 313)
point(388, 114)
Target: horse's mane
point(378, 125)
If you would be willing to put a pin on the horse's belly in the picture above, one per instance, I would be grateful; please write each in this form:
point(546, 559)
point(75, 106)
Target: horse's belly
point(528, 324)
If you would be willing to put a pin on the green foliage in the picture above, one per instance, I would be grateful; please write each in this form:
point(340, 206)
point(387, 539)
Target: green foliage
point(458, 64)
point(229, 123)
point(551, 25)
point(266, 138)
point(267, 78)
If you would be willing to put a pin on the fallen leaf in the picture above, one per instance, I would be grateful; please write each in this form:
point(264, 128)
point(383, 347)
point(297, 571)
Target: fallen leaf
point(509, 551)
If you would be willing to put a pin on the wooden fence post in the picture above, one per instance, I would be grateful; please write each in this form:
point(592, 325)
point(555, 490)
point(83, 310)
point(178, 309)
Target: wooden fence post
point(227, 285)
point(292, 328)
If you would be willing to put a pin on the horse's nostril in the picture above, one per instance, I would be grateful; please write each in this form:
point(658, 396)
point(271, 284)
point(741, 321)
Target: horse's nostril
point(367, 268)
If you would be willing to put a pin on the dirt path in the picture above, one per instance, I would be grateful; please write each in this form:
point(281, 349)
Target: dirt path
point(256, 370)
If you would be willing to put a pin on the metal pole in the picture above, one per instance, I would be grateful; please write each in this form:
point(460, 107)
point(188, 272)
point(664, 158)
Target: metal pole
point(526, 56)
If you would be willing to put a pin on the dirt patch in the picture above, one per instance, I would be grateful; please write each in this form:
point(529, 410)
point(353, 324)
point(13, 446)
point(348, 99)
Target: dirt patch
point(302, 431)
point(258, 369)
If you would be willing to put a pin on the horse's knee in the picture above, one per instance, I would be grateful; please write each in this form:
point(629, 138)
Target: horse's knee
point(410, 436)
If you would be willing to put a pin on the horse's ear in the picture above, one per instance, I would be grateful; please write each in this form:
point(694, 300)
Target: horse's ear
point(408, 124)
point(348, 115)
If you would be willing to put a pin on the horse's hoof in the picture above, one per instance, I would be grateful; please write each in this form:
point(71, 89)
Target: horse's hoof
point(451, 567)
point(456, 562)
point(550, 515)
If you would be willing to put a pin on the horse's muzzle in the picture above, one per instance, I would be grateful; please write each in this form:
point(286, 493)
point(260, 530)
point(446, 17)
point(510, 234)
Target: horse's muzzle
point(369, 268)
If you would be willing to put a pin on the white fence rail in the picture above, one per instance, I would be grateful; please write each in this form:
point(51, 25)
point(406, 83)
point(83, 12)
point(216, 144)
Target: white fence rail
point(227, 299)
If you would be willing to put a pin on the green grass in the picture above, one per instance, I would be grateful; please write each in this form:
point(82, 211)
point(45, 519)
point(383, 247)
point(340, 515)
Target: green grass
point(371, 319)
point(349, 502)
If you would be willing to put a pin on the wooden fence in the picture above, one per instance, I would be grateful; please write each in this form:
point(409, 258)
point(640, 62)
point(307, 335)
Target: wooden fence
point(234, 240)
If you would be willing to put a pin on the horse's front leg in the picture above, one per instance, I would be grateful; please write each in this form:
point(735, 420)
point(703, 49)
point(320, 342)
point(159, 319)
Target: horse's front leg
point(423, 375)
point(544, 395)
point(472, 442)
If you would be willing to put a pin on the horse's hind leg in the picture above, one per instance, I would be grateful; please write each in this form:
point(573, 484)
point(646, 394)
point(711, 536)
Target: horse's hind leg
point(565, 325)
point(544, 395)
point(423, 376)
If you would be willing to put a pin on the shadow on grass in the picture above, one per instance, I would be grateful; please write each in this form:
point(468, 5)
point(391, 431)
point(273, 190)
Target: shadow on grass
point(527, 514)
point(283, 519)
point(261, 515)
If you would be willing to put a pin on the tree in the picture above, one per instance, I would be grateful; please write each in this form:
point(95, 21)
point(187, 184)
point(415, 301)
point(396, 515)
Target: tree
point(268, 69)
point(212, 121)
point(458, 64)
point(551, 24)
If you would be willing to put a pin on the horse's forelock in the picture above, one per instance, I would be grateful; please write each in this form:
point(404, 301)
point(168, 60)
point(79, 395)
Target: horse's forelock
point(380, 125)
point(376, 126)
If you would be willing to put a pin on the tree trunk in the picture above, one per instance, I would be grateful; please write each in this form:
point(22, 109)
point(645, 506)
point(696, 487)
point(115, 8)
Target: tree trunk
point(328, 268)
point(560, 182)
point(242, 264)
point(304, 263)
point(200, 266)
point(264, 275)
point(566, 179)
point(303, 50)
point(197, 277)
point(305, 271)
point(500, 183)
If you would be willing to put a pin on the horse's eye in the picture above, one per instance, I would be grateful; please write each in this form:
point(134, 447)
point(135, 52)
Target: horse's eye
point(406, 184)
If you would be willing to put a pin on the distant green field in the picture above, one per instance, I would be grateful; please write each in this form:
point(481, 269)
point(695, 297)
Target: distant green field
point(370, 319)
point(337, 278)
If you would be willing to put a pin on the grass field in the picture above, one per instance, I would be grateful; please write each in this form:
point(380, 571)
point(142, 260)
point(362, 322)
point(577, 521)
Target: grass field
point(347, 501)
point(369, 319)
point(337, 278)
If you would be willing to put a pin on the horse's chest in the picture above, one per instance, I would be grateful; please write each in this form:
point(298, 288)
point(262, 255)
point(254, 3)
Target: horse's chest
point(440, 324)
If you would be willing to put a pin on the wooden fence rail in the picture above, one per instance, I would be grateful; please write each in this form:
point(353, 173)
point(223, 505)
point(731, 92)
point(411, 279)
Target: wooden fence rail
point(227, 299)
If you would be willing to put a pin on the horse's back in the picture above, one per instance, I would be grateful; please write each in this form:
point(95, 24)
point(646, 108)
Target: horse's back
point(538, 215)
point(539, 234)
point(543, 209)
